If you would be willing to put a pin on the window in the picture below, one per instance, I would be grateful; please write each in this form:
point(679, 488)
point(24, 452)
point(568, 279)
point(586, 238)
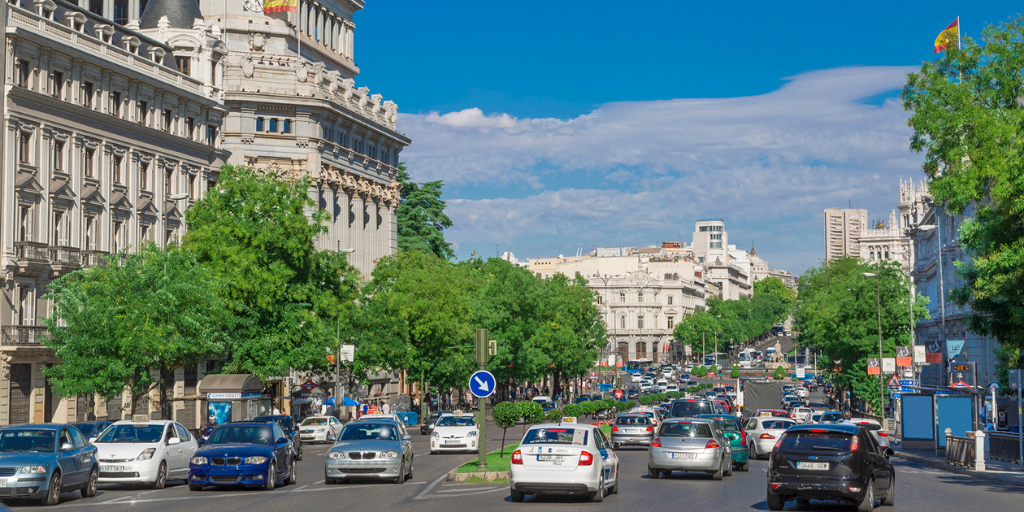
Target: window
point(115, 104)
point(168, 178)
point(58, 155)
point(190, 125)
point(259, 124)
point(144, 175)
point(24, 146)
point(600, 300)
point(116, 242)
point(87, 94)
point(641, 350)
point(211, 135)
point(887, 254)
point(622, 322)
point(144, 232)
point(167, 120)
point(25, 224)
point(184, 65)
point(143, 113)
point(121, 12)
point(59, 232)
point(24, 303)
point(168, 236)
point(640, 297)
point(90, 235)
point(671, 321)
point(287, 126)
point(57, 84)
point(96, 7)
point(115, 168)
point(23, 68)
point(669, 300)
point(192, 186)
point(87, 161)
point(273, 126)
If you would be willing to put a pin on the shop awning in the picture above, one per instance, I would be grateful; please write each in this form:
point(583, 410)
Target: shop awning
point(230, 386)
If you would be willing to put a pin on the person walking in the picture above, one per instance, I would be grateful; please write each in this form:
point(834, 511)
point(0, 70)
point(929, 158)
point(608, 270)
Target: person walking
point(386, 408)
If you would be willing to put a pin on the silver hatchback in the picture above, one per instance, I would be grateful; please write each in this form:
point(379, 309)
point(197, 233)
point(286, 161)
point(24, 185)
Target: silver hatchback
point(632, 429)
point(696, 445)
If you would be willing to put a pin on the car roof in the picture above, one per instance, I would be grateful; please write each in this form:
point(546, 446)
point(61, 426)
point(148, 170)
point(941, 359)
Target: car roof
point(274, 416)
point(690, 420)
point(564, 425)
point(37, 426)
point(150, 422)
point(845, 429)
point(247, 424)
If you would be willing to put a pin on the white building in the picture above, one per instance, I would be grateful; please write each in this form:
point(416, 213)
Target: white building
point(842, 229)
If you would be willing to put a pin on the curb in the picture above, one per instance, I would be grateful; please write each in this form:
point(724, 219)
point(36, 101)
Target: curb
point(485, 475)
point(985, 475)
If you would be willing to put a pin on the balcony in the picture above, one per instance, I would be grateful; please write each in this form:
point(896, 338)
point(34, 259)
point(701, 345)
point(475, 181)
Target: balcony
point(32, 251)
point(68, 257)
point(93, 258)
point(23, 335)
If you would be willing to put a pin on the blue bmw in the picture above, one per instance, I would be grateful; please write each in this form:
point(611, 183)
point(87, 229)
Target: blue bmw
point(246, 453)
point(42, 461)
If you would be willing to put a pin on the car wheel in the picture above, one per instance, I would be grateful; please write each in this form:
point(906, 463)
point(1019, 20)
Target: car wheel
point(400, 479)
point(890, 497)
point(409, 476)
point(752, 451)
point(271, 482)
point(90, 487)
point(194, 487)
point(517, 497)
point(775, 502)
point(598, 495)
point(292, 474)
point(615, 446)
point(298, 454)
point(53, 494)
point(728, 468)
point(717, 475)
point(652, 473)
point(161, 476)
point(745, 466)
point(868, 503)
point(615, 486)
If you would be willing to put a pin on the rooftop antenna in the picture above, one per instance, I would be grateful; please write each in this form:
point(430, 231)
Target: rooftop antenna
point(850, 204)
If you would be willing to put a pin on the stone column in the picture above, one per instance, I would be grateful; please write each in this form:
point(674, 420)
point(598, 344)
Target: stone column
point(358, 223)
point(343, 206)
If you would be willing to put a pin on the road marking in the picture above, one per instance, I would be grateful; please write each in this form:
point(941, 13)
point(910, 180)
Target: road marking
point(416, 483)
point(463, 494)
point(318, 483)
point(431, 486)
point(461, 490)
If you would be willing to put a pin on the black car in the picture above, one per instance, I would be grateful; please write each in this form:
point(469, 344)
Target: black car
point(632, 393)
point(689, 408)
point(427, 425)
point(91, 429)
point(830, 462)
point(289, 428)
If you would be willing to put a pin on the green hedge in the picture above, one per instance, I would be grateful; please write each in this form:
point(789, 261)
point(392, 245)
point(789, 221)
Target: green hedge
point(554, 415)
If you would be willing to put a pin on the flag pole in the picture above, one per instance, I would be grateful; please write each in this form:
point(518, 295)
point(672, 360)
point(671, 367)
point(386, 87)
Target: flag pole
point(958, 33)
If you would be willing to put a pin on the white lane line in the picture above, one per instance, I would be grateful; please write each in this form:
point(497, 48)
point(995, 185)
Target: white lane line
point(416, 483)
point(434, 496)
point(431, 486)
point(132, 501)
point(318, 483)
point(301, 488)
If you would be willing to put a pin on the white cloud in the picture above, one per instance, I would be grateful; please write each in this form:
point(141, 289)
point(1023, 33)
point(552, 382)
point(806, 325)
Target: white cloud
point(648, 169)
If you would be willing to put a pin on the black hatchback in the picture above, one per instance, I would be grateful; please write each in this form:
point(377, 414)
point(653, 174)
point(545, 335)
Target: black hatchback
point(285, 421)
point(830, 462)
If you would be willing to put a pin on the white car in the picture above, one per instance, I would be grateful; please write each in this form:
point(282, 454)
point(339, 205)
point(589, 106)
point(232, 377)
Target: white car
point(454, 432)
point(319, 429)
point(645, 386)
point(662, 384)
point(672, 388)
point(801, 414)
point(564, 458)
point(875, 428)
point(148, 452)
point(637, 377)
point(802, 392)
point(763, 432)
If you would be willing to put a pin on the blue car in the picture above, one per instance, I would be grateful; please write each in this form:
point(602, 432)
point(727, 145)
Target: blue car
point(254, 454)
point(43, 461)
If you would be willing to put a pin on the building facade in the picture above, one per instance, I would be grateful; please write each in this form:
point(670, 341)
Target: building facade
point(842, 229)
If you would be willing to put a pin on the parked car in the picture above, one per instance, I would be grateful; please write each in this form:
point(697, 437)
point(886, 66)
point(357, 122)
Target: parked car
point(91, 429)
point(319, 429)
point(427, 426)
point(454, 432)
point(41, 461)
point(632, 429)
point(250, 453)
point(564, 458)
point(763, 432)
point(830, 462)
point(371, 448)
point(696, 445)
point(289, 428)
point(144, 452)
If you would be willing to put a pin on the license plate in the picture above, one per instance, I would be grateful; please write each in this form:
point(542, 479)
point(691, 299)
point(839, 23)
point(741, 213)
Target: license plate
point(815, 466)
point(114, 469)
point(452, 441)
point(557, 459)
point(683, 455)
point(633, 431)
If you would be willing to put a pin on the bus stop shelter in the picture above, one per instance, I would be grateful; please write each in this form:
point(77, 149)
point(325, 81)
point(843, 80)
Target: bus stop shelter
point(233, 397)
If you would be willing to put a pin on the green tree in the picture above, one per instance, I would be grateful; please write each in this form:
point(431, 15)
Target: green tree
point(967, 117)
point(735, 373)
point(775, 286)
point(288, 300)
point(555, 415)
point(113, 324)
point(506, 415)
point(695, 329)
point(421, 217)
point(572, 330)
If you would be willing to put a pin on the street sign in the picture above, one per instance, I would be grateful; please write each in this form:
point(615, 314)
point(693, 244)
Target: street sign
point(896, 395)
point(908, 382)
point(482, 384)
point(889, 365)
point(1013, 379)
point(348, 353)
point(959, 384)
point(309, 385)
point(593, 374)
point(953, 348)
point(894, 382)
point(874, 367)
point(920, 356)
point(619, 394)
point(903, 356)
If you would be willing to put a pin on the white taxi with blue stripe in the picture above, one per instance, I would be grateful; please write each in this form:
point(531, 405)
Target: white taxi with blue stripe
point(564, 458)
point(455, 432)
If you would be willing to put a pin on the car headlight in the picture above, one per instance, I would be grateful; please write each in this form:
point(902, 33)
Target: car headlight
point(200, 461)
point(471, 433)
point(255, 460)
point(146, 454)
point(431, 426)
point(335, 455)
point(435, 434)
point(320, 430)
point(33, 470)
point(388, 455)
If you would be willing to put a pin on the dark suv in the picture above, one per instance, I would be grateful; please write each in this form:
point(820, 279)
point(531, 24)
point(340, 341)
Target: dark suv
point(830, 462)
point(288, 426)
point(688, 408)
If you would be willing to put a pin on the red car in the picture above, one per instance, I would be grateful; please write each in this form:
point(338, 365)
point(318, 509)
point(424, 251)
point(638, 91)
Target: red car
point(772, 413)
point(725, 405)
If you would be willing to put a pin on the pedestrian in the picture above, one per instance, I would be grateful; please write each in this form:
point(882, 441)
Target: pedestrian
point(276, 410)
point(366, 408)
point(386, 408)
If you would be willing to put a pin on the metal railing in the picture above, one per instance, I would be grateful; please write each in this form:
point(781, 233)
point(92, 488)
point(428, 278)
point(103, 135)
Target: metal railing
point(94, 258)
point(31, 251)
point(1004, 447)
point(69, 256)
point(31, 335)
point(960, 451)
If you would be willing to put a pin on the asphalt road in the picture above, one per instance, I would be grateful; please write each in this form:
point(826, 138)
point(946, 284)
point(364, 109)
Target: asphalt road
point(918, 488)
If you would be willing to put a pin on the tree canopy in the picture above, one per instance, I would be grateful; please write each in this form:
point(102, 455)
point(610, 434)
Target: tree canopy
point(775, 286)
point(421, 217)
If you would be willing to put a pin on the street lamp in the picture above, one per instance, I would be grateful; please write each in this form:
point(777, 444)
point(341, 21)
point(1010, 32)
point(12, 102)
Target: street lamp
point(942, 288)
point(881, 378)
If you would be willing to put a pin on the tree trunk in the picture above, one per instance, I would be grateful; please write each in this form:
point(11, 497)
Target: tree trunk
point(501, 454)
point(165, 404)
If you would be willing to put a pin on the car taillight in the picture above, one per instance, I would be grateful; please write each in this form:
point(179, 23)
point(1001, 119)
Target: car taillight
point(883, 434)
point(650, 429)
point(615, 429)
point(586, 459)
point(767, 436)
point(743, 437)
point(779, 442)
point(855, 444)
point(517, 457)
point(711, 444)
point(656, 442)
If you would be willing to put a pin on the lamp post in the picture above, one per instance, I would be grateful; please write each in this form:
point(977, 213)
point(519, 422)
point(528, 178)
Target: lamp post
point(881, 378)
point(942, 289)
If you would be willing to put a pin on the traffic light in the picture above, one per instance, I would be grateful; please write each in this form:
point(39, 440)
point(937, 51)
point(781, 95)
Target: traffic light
point(492, 348)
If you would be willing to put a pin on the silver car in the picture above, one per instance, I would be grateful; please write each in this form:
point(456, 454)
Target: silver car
point(875, 428)
point(763, 432)
point(632, 429)
point(373, 448)
point(696, 445)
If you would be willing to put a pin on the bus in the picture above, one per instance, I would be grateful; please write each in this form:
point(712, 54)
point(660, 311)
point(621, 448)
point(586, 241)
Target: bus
point(747, 358)
point(721, 358)
point(637, 365)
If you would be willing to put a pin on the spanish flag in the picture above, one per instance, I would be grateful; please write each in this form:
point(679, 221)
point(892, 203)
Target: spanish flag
point(951, 34)
point(272, 6)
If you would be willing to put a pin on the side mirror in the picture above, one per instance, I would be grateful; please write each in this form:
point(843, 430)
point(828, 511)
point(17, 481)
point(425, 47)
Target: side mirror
point(200, 441)
point(282, 440)
point(889, 452)
point(92, 440)
point(173, 441)
point(407, 437)
point(67, 446)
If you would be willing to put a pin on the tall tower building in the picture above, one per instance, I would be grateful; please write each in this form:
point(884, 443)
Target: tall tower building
point(843, 228)
point(710, 241)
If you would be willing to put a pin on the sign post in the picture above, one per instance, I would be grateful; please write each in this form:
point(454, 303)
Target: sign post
point(482, 384)
point(1015, 381)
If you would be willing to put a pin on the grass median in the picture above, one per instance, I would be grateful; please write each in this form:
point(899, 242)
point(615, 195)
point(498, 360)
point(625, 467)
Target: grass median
point(494, 462)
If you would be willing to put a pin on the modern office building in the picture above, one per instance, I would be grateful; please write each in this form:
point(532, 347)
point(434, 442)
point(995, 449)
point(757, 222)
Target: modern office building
point(842, 230)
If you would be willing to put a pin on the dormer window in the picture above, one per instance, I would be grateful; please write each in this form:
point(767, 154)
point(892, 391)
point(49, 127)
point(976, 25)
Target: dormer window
point(157, 54)
point(45, 8)
point(76, 21)
point(104, 33)
point(184, 65)
point(131, 44)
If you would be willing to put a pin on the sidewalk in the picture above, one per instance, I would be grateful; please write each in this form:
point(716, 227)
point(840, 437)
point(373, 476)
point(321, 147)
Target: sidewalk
point(994, 470)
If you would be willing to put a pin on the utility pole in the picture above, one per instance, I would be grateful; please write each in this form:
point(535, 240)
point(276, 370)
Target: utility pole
point(482, 356)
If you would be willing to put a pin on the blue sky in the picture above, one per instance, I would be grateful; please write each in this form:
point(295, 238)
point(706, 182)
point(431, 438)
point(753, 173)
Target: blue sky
point(573, 124)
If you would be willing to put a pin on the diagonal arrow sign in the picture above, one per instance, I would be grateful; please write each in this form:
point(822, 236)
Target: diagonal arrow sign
point(483, 385)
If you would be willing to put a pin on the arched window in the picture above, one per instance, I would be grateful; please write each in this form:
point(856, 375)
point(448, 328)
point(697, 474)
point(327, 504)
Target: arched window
point(640, 297)
point(641, 350)
point(623, 351)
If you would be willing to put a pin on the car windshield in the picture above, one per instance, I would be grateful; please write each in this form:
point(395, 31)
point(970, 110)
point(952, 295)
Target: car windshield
point(131, 433)
point(284, 421)
point(87, 429)
point(243, 434)
point(369, 432)
point(810, 441)
point(632, 420)
point(686, 429)
point(556, 436)
point(832, 416)
point(776, 425)
point(546, 405)
point(452, 421)
point(42, 441)
point(314, 421)
point(729, 424)
point(690, 408)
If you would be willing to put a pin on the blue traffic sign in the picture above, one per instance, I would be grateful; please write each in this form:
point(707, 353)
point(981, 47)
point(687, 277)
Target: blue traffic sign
point(482, 384)
point(908, 382)
point(896, 395)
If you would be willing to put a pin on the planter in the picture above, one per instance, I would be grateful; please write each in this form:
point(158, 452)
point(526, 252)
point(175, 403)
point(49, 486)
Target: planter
point(483, 475)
